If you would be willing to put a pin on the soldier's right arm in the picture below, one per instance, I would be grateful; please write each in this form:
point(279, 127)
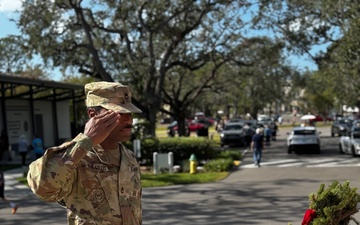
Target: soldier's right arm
point(51, 176)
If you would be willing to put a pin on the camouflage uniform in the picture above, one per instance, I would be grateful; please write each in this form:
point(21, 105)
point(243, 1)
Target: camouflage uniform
point(93, 190)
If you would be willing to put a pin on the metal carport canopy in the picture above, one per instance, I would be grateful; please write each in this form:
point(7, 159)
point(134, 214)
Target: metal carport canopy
point(18, 87)
point(59, 91)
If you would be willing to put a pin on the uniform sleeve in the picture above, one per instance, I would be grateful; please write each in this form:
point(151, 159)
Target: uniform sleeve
point(51, 176)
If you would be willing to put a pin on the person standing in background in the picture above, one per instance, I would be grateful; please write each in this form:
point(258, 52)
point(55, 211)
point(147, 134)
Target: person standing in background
point(274, 129)
point(37, 145)
point(267, 132)
point(257, 145)
point(23, 148)
point(13, 206)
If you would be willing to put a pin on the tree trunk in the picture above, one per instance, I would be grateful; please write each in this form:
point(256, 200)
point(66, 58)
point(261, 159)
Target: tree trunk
point(182, 128)
point(152, 121)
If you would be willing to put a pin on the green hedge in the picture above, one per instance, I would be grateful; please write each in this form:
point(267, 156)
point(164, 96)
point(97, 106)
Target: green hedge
point(224, 161)
point(219, 165)
point(181, 147)
point(232, 154)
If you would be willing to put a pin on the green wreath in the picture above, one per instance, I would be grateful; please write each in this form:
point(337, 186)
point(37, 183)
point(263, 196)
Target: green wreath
point(334, 205)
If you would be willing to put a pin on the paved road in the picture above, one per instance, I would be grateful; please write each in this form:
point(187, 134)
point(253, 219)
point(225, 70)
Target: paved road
point(269, 195)
point(276, 155)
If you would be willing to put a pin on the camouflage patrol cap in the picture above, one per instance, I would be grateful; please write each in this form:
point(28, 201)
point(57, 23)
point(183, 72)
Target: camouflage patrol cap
point(110, 95)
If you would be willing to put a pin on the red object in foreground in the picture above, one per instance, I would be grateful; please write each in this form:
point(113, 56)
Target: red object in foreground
point(310, 214)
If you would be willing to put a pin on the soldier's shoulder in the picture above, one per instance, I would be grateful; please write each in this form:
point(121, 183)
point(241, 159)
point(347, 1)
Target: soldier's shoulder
point(128, 151)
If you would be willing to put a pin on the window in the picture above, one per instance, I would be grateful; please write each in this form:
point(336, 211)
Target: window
point(304, 132)
point(233, 127)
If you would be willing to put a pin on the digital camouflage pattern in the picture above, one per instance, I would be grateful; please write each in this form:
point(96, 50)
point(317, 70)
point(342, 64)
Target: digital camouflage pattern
point(93, 190)
point(110, 95)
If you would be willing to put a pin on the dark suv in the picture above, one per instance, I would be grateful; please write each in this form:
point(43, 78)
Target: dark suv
point(233, 134)
point(340, 127)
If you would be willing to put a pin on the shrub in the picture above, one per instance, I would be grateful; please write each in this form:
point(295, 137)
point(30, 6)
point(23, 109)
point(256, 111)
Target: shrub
point(219, 165)
point(232, 154)
point(181, 147)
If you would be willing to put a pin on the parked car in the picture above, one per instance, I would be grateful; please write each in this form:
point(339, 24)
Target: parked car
point(321, 118)
point(340, 127)
point(350, 142)
point(232, 134)
point(304, 138)
point(192, 126)
point(264, 120)
point(201, 118)
point(172, 129)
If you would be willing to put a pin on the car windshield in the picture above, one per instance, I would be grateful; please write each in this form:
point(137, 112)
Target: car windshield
point(233, 127)
point(304, 132)
point(343, 122)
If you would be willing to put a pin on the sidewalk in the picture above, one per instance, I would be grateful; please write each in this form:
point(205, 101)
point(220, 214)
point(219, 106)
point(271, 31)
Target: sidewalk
point(31, 210)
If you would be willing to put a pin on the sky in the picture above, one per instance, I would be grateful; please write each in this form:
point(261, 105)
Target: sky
point(7, 11)
point(7, 27)
point(7, 8)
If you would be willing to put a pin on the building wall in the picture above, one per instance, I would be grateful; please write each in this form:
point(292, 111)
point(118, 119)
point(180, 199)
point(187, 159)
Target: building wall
point(18, 119)
point(18, 115)
point(43, 109)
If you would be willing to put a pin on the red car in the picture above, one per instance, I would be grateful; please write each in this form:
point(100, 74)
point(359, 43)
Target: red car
point(323, 118)
point(192, 127)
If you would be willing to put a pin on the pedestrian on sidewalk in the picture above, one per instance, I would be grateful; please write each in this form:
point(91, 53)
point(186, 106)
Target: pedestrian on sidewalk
point(274, 128)
point(23, 148)
point(13, 206)
point(257, 145)
point(94, 175)
point(37, 145)
point(267, 132)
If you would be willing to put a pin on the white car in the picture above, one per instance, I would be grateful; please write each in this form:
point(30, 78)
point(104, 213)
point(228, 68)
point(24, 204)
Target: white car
point(263, 119)
point(305, 138)
point(350, 143)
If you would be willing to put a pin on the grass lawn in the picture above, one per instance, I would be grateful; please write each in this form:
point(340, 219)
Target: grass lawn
point(166, 179)
point(157, 180)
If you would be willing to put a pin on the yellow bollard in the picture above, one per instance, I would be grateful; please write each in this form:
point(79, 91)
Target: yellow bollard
point(193, 164)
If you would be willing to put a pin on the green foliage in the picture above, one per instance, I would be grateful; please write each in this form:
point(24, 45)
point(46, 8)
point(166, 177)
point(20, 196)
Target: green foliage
point(148, 147)
point(12, 57)
point(339, 63)
point(181, 147)
point(232, 154)
point(165, 179)
point(219, 165)
point(139, 130)
point(335, 204)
